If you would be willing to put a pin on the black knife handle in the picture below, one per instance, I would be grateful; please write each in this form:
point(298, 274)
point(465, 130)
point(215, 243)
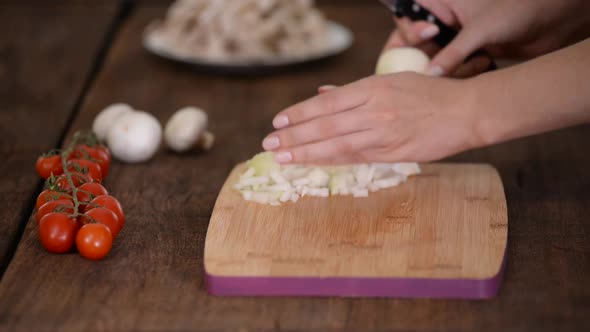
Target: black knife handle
point(415, 12)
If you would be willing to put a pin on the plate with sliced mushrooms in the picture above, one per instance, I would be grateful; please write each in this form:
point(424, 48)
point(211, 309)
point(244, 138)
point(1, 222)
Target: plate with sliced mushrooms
point(244, 36)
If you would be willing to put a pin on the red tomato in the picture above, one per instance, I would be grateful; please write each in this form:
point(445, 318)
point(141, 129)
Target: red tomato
point(50, 195)
point(88, 191)
point(94, 241)
point(105, 150)
point(99, 154)
point(103, 216)
point(57, 232)
point(49, 165)
point(110, 203)
point(60, 205)
point(87, 167)
point(78, 179)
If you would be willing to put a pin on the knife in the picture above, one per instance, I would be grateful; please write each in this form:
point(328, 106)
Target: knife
point(415, 12)
point(412, 10)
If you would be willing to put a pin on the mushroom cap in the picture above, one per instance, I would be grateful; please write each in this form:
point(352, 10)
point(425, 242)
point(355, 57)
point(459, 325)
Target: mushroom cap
point(105, 119)
point(185, 128)
point(135, 137)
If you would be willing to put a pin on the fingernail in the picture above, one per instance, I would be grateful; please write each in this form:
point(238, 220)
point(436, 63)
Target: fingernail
point(271, 143)
point(283, 157)
point(325, 88)
point(429, 32)
point(436, 70)
point(280, 121)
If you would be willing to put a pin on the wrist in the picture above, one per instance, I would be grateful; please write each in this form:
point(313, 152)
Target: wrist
point(491, 120)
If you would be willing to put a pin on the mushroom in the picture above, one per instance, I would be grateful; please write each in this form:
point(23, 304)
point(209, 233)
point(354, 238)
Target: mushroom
point(135, 137)
point(186, 129)
point(107, 117)
point(402, 59)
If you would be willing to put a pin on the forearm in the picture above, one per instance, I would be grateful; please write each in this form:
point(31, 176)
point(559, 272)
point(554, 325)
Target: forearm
point(547, 93)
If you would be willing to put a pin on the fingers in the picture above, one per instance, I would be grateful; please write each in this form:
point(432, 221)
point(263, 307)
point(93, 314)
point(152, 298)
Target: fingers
point(441, 10)
point(333, 101)
point(454, 54)
point(474, 66)
point(326, 88)
point(318, 129)
point(394, 40)
point(339, 148)
point(414, 33)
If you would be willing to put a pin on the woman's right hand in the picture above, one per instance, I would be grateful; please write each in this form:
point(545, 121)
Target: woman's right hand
point(503, 28)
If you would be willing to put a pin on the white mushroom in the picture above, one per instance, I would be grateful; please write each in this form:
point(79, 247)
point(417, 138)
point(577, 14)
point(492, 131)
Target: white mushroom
point(187, 128)
point(402, 59)
point(104, 121)
point(135, 137)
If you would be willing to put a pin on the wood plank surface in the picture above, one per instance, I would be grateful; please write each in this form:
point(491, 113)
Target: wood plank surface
point(47, 52)
point(153, 278)
point(448, 222)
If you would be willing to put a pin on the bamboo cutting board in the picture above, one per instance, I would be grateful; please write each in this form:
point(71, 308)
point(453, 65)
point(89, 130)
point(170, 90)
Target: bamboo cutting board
point(442, 233)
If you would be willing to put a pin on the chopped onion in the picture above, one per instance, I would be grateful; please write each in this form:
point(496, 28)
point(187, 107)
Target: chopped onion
point(277, 177)
point(301, 182)
point(406, 168)
point(254, 181)
point(266, 182)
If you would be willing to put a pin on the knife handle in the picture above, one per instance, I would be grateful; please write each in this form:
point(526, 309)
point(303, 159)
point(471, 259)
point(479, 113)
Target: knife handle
point(415, 12)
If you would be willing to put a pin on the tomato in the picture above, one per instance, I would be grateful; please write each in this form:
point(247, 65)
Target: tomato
point(78, 179)
point(99, 154)
point(110, 203)
point(87, 167)
point(49, 165)
point(94, 241)
point(50, 195)
point(60, 205)
point(104, 149)
point(103, 216)
point(57, 232)
point(88, 191)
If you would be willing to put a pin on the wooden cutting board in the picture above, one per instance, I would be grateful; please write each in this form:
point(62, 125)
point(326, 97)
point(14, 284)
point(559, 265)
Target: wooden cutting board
point(442, 233)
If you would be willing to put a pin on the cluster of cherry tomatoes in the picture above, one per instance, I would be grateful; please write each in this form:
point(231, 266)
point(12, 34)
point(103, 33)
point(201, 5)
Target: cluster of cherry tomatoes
point(75, 209)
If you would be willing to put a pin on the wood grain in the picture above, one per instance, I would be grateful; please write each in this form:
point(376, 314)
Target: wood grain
point(153, 278)
point(46, 55)
point(449, 222)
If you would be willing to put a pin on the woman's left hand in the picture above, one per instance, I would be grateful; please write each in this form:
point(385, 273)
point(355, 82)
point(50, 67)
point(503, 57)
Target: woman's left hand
point(389, 118)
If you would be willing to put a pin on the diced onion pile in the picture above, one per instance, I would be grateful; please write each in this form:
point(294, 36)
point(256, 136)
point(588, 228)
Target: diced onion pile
point(267, 182)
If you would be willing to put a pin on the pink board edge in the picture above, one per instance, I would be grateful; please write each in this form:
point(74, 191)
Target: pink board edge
point(357, 287)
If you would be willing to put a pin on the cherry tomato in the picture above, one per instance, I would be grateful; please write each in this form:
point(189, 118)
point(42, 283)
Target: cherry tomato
point(103, 216)
point(105, 150)
point(88, 191)
point(99, 154)
point(78, 179)
point(60, 205)
point(49, 165)
point(94, 241)
point(87, 167)
point(50, 195)
point(110, 203)
point(57, 232)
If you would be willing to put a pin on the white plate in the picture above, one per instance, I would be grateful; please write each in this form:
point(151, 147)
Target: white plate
point(339, 39)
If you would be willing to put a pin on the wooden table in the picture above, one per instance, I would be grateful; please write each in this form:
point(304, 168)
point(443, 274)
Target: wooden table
point(62, 61)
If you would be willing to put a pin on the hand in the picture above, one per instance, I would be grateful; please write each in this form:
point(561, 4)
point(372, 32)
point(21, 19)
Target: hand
point(503, 28)
point(399, 117)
